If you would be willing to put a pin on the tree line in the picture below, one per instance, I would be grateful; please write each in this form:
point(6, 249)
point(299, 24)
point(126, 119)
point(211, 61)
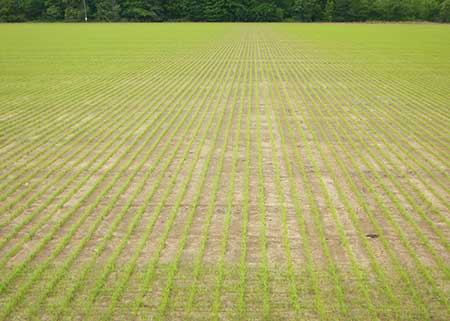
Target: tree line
point(225, 10)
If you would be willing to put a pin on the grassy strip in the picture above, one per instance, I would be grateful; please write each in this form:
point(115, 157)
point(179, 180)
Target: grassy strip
point(410, 160)
point(279, 74)
point(355, 133)
point(111, 263)
point(77, 93)
point(241, 306)
point(128, 270)
point(60, 189)
point(101, 246)
point(397, 138)
point(38, 271)
point(56, 124)
point(18, 269)
point(394, 199)
point(397, 264)
point(379, 83)
point(227, 221)
point(62, 201)
point(264, 265)
point(129, 93)
point(232, 97)
point(271, 102)
point(63, 155)
point(403, 128)
point(151, 265)
point(173, 266)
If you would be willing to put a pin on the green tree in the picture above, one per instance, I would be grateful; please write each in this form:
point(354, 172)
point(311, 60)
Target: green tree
point(428, 10)
point(73, 10)
point(215, 10)
point(358, 10)
point(10, 12)
point(267, 11)
point(32, 9)
point(329, 10)
point(224, 10)
point(341, 8)
point(141, 10)
point(108, 10)
point(307, 10)
point(287, 6)
point(54, 10)
point(238, 11)
point(193, 10)
point(72, 14)
point(444, 12)
point(174, 9)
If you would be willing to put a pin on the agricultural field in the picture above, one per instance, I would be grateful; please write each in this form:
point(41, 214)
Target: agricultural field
point(225, 172)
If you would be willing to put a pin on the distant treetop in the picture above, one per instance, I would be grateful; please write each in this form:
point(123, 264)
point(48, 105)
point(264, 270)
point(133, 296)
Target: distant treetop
point(225, 10)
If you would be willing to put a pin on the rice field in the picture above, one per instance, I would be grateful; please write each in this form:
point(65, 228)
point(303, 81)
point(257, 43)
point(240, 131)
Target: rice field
point(225, 172)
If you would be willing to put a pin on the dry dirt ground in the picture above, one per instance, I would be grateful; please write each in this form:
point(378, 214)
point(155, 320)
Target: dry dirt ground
point(252, 172)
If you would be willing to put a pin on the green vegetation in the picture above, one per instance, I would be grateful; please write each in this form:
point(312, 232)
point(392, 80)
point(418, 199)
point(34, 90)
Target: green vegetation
point(225, 171)
point(224, 10)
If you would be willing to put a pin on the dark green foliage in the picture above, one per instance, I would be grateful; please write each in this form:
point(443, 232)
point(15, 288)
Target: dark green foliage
point(215, 10)
point(9, 11)
point(308, 10)
point(445, 11)
point(73, 10)
point(267, 11)
point(238, 11)
point(108, 10)
point(193, 10)
point(225, 10)
point(141, 10)
point(358, 10)
point(54, 10)
point(329, 10)
point(341, 10)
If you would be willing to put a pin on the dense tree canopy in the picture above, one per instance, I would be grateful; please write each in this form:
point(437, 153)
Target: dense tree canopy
point(225, 10)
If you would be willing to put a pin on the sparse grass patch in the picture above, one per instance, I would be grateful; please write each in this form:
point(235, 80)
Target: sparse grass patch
point(224, 171)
